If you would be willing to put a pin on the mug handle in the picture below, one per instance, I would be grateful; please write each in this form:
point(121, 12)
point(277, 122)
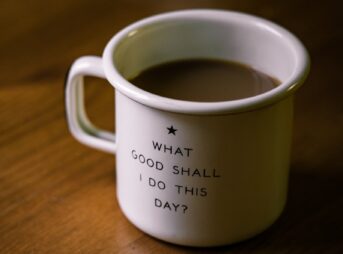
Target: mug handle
point(79, 125)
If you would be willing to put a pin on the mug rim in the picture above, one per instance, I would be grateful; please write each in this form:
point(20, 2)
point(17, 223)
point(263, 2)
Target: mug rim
point(286, 88)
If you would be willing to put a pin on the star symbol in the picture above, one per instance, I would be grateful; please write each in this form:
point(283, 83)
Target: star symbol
point(171, 130)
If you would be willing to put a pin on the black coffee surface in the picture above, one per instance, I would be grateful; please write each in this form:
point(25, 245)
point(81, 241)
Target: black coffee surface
point(204, 80)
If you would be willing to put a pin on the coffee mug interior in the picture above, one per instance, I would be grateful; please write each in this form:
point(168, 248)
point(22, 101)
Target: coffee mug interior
point(247, 41)
point(206, 34)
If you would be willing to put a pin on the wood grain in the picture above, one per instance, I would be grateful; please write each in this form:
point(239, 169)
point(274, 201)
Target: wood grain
point(57, 196)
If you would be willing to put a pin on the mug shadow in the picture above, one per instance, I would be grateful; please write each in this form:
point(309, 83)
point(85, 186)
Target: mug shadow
point(312, 221)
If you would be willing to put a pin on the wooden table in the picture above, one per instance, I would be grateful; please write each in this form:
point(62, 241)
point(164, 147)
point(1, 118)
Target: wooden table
point(58, 196)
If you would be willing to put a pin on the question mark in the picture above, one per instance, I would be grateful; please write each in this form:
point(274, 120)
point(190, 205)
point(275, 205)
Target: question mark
point(184, 208)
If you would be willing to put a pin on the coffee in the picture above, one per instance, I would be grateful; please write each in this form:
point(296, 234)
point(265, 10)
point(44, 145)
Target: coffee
point(204, 80)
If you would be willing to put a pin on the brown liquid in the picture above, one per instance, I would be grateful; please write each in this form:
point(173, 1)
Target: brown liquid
point(204, 80)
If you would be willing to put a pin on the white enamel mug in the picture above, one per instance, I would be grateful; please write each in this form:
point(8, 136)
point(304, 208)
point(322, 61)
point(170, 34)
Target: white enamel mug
point(196, 173)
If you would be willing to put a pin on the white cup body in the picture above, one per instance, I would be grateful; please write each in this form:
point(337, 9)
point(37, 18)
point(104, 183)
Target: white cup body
point(234, 180)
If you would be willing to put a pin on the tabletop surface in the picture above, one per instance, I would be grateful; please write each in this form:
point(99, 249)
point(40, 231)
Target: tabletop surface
point(58, 196)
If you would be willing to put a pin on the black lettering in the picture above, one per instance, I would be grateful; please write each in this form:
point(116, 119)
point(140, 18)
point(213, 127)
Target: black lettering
point(175, 206)
point(196, 172)
point(134, 155)
point(170, 149)
point(203, 192)
point(204, 173)
point(158, 203)
point(176, 170)
point(178, 188)
point(214, 173)
point(187, 171)
point(156, 145)
point(150, 162)
point(141, 158)
point(152, 182)
point(178, 150)
point(161, 185)
point(166, 205)
point(188, 151)
point(190, 190)
point(159, 165)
